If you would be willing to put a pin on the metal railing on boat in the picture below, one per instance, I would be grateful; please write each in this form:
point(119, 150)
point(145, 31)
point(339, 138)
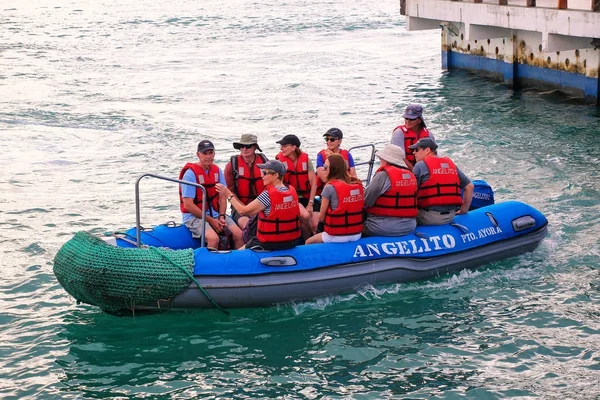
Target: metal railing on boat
point(138, 225)
point(371, 161)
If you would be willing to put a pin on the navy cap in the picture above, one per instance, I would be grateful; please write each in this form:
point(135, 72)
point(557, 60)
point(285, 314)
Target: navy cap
point(289, 139)
point(274, 165)
point(334, 132)
point(413, 111)
point(205, 145)
point(423, 144)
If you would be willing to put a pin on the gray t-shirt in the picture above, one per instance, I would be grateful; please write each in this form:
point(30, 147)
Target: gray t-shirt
point(330, 194)
point(380, 225)
point(422, 174)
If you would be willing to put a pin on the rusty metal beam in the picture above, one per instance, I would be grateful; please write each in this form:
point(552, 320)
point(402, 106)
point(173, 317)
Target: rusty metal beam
point(562, 4)
point(402, 7)
point(503, 2)
point(530, 3)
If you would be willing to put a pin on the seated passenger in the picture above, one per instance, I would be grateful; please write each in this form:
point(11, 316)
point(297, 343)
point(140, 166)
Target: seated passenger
point(207, 173)
point(277, 207)
point(439, 183)
point(333, 140)
point(300, 174)
point(242, 174)
point(342, 203)
point(391, 197)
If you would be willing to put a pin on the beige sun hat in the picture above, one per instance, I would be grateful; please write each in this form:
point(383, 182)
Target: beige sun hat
point(246, 140)
point(392, 154)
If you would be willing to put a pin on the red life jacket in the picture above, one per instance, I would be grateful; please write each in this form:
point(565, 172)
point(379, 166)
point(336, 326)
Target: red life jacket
point(443, 186)
point(320, 183)
point(410, 138)
point(247, 181)
point(347, 219)
point(206, 180)
point(297, 173)
point(401, 199)
point(283, 222)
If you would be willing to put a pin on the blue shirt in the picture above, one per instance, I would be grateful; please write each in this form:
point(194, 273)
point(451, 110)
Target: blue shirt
point(321, 162)
point(190, 192)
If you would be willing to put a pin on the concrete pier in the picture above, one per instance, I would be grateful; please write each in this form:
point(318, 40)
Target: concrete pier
point(525, 43)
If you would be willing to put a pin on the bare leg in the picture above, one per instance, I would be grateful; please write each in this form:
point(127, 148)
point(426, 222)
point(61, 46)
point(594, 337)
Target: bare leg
point(315, 239)
point(305, 222)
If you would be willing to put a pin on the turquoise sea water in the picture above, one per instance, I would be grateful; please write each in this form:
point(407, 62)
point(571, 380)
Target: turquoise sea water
point(93, 94)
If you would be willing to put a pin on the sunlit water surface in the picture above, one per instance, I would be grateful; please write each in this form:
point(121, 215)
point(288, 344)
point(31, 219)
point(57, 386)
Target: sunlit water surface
point(93, 94)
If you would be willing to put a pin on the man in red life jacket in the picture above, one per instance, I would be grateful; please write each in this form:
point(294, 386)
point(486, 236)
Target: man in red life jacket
point(391, 197)
point(243, 175)
point(410, 132)
point(206, 173)
point(440, 182)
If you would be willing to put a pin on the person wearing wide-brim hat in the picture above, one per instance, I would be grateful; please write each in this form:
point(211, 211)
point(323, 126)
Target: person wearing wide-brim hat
point(391, 197)
point(278, 225)
point(300, 174)
point(410, 132)
point(242, 174)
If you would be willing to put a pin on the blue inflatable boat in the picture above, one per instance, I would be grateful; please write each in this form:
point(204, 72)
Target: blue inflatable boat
point(171, 270)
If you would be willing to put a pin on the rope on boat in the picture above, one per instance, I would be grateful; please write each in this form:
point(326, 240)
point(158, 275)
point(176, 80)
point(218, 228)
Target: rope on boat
point(192, 277)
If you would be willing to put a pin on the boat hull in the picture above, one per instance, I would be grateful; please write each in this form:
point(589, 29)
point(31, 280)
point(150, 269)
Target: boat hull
point(269, 289)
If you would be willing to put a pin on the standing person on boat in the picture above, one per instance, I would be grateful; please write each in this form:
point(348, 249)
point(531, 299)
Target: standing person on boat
point(342, 204)
point(300, 174)
point(277, 208)
point(333, 140)
point(243, 175)
point(391, 197)
point(440, 182)
point(408, 134)
point(206, 173)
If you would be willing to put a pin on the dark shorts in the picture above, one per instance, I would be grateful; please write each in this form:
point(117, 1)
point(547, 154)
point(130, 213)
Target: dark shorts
point(316, 205)
point(271, 246)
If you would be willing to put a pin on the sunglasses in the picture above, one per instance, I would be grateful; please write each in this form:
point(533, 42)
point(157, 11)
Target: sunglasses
point(246, 146)
point(330, 139)
point(265, 173)
point(418, 149)
point(325, 167)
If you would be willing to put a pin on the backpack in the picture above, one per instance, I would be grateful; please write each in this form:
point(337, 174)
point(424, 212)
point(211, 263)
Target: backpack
point(483, 194)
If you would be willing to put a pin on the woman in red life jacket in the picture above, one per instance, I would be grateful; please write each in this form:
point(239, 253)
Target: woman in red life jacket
point(342, 204)
point(410, 132)
point(277, 207)
point(300, 174)
point(333, 140)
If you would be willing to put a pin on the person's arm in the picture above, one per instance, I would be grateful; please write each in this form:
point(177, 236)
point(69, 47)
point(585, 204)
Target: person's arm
point(229, 180)
point(468, 187)
point(467, 197)
point(379, 185)
point(253, 207)
point(351, 166)
point(398, 137)
point(323, 210)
